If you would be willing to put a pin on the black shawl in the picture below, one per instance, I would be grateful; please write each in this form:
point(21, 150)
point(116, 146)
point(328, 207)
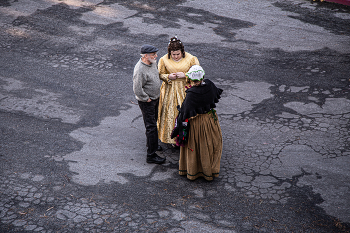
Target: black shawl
point(199, 100)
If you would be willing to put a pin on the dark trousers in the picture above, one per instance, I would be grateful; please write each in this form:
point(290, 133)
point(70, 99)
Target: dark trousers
point(150, 114)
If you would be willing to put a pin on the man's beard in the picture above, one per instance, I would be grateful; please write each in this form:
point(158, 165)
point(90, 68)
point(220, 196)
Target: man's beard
point(152, 60)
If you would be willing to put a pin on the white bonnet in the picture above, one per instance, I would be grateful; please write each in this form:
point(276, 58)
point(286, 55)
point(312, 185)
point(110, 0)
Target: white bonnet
point(195, 73)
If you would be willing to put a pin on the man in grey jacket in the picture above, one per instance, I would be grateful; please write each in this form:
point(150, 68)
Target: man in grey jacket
point(146, 86)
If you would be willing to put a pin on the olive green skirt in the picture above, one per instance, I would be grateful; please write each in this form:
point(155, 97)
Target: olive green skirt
point(201, 155)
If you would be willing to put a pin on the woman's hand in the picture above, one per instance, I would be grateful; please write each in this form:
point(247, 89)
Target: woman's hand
point(172, 76)
point(180, 75)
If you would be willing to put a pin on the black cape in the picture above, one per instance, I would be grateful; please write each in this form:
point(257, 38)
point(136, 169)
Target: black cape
point(199, 100)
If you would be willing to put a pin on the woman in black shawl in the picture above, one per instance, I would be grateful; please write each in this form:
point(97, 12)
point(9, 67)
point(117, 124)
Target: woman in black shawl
point(197, 128)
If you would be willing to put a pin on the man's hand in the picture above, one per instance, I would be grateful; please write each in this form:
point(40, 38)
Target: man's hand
point(149, 100)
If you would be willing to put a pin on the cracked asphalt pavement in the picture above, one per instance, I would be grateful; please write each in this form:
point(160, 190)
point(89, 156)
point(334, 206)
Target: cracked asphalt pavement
point(72, 139)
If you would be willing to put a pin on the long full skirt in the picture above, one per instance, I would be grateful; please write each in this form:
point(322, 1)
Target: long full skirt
point(171, 95)
point(201, 155)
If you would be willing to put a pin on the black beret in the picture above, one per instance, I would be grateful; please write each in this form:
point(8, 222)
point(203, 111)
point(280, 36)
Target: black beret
point(148, 49)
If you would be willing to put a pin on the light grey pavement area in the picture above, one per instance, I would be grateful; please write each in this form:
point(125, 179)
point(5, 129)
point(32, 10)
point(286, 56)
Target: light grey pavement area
point(72, 139)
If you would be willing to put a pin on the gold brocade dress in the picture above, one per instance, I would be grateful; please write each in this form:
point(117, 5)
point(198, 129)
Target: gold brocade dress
point(172, 93)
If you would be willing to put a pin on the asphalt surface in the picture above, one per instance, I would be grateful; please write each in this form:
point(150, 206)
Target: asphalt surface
point(72, 139)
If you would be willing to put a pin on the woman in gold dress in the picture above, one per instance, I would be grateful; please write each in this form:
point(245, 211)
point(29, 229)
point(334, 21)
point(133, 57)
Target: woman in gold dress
point(172, 69)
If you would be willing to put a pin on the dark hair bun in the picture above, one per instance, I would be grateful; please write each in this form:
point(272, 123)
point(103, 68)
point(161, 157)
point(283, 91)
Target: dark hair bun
point(174, 45)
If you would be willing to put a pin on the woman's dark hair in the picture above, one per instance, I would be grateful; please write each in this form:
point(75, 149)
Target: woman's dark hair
point(174, 45)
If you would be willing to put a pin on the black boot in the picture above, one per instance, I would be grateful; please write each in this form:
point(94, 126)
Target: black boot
point(154, 158)
point(159, 148)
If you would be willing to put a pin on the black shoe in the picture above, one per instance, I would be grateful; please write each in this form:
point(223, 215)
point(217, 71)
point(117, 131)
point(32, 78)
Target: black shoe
point(155, 159)
point(159, 148)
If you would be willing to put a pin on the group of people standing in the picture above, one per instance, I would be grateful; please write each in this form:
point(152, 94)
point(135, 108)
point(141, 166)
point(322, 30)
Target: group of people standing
point(177, 106)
